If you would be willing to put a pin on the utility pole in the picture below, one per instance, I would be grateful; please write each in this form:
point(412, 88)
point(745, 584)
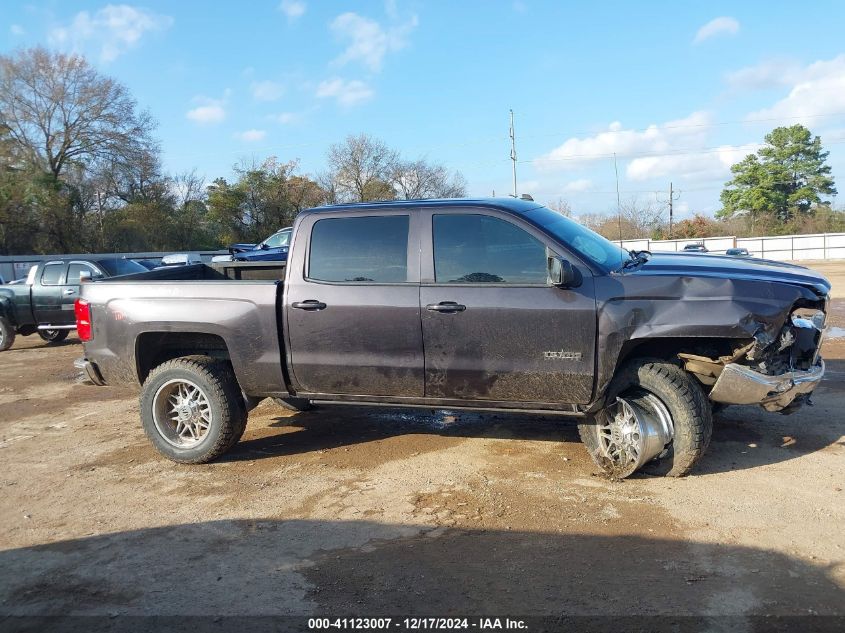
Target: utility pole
point(618, 201)
point(671, 208)
point(513, 154)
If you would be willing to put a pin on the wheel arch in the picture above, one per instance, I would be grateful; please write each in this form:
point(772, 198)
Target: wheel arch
point(155, 348)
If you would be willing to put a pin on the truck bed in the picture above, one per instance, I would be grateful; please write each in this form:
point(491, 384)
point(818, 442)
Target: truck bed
point(227, 309)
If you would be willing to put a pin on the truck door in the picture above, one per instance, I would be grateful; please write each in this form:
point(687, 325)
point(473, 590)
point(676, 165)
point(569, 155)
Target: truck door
point(493, 326)
point(47, 294)
point(70, 289)
point(352, 309)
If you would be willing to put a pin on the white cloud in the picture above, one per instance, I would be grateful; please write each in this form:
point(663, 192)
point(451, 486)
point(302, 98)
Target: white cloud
point(17, 30)
point(347, 93)
point(114, 29)
point(705, 164)
point(719, 26)
point(581, 184)
point(678, 149)
point(369, 42)
point(267, 90)
point(577, 152)
point(771, 73)
point(293, 9)
point(251, 136)
point(285, 118)
point(212, 113)
point(817, 90)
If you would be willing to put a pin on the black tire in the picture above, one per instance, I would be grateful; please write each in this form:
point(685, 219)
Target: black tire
point(686, 402)
point(7, 334)
point(294, 404)
point(217, 383)
point(53, 336)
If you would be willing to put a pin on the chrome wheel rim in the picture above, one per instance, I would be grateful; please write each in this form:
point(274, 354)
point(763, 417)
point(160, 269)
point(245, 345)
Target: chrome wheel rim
point(633, 431)
point(50, 334)
point(182, 413)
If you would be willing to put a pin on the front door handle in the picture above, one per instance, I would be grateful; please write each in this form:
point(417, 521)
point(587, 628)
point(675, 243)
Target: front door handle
point(70, 291)
point(447, 307)
point(309, 304)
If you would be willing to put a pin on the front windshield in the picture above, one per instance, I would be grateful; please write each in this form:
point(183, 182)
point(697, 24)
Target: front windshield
point(579, 238)
point(115, 267)
point(278, 240)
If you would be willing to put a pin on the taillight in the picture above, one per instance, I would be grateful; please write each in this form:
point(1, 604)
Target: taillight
point(82, 310)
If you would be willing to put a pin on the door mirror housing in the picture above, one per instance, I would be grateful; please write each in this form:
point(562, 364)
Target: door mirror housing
point(85, 275)
point(561, 273)
point(263, 246)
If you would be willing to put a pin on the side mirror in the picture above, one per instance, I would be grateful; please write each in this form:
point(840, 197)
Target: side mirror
point(84, 275)
point(561, 273)
point(263, 246)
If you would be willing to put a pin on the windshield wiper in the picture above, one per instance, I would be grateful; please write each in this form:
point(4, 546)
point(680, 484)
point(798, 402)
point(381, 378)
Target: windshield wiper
point(636, 258)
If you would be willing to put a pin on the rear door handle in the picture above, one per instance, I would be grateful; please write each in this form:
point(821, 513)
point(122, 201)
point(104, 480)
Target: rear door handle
point(70, 291)
point(447, 307)
point(309, 304)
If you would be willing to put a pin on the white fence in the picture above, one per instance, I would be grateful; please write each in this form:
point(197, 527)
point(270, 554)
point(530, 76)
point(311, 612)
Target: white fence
point(785, 247)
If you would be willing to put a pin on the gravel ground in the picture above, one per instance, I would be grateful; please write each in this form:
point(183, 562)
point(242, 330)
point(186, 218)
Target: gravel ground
point(365, 511)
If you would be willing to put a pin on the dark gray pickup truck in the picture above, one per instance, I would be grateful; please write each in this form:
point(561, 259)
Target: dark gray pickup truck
point(498, 304)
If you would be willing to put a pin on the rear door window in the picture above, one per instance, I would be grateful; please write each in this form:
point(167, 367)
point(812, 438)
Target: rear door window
point(52, 274)
point(360, 250)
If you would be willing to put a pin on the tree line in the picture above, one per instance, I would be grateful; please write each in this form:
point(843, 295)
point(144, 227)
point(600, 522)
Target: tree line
point(80, 171)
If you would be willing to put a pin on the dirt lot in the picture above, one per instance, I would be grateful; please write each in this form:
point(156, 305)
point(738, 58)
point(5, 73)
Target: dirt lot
point(367, 511)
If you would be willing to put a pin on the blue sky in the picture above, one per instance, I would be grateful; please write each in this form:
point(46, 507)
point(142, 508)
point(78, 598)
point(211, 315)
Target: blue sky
point(678, 91)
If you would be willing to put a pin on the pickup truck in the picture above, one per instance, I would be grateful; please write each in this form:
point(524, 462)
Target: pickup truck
point(274, 248)
point(44, 304)
point(496, 305)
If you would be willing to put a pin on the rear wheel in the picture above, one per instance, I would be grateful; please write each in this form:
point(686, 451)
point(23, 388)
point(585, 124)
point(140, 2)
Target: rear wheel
point(7, 334)
point(53, 336)
point(192, 409)
point(658, 419)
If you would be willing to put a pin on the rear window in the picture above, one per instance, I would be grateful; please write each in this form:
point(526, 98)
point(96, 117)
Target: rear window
point(364, 249)
point(51, 274)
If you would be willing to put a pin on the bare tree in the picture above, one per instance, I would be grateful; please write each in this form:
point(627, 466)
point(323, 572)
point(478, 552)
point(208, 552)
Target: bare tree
point(361, 168)
point(60, 111)
point(561, 206)
point(420, 179)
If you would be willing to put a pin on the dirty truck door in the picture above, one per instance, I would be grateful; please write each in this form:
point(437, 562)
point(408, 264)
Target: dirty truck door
point(493, 326)
point(352, 306)
point(48, 297)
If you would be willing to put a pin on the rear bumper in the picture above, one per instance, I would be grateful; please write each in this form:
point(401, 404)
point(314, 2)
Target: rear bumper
point(92, 372)
point(739, 384)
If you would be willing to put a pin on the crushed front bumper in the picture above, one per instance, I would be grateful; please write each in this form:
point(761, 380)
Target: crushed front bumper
point(738, 384)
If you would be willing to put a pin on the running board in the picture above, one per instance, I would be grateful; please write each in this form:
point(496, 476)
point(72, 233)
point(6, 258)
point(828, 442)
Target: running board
point(447, 407)
point(57, 327)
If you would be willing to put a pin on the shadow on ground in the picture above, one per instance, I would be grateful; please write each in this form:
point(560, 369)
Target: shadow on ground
point(743, 437)
point(368, 568)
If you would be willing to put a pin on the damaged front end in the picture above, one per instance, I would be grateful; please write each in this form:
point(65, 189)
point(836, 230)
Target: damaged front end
point(777, 372)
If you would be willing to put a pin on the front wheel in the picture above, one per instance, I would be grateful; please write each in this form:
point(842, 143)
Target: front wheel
point(192, 409)
point(53, 336)
point(7, 334)
point(657, 419)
